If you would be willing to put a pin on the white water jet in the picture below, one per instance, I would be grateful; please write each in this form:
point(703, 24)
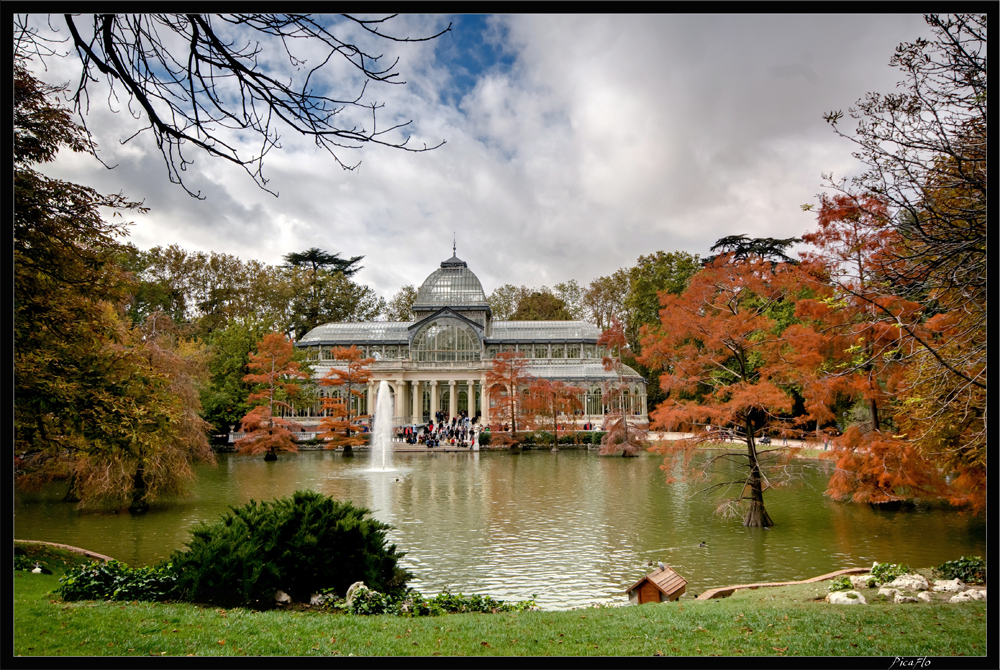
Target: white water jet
point(382, 429)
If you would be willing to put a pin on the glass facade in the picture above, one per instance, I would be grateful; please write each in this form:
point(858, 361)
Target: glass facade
point(446, 339)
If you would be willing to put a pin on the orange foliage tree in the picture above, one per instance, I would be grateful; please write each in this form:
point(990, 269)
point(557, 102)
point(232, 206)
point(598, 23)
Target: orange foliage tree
point(722, 345)
point(504, 381)
point(547, 399)
point(276, 383)
point(622, 436)
point(341, 426)
point(869, 336)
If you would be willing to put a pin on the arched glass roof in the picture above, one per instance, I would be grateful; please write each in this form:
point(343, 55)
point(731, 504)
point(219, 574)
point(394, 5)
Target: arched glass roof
point(453, 284)
point(579, 372)
point(528, 331)
point(358, 333)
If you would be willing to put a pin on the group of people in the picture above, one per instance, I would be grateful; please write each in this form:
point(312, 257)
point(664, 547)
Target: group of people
point(459, 431)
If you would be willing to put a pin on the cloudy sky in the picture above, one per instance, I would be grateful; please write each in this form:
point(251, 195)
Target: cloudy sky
point(574, 144)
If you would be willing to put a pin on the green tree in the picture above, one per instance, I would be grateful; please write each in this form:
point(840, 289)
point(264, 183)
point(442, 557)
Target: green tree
point(224, 397)
point(400, 307)
point(330, 297)
point(541, 306)
point(571, 293)
point(505, 299)
point(94, 398)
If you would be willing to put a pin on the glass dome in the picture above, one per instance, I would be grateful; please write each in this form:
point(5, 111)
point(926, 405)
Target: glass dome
point(446, 339)
point(453, 284)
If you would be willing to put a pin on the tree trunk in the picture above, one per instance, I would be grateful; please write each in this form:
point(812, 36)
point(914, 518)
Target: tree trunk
point(756, 516)
point(71, 496)
point(348, 450)
point(139, 504)
point(270, 455)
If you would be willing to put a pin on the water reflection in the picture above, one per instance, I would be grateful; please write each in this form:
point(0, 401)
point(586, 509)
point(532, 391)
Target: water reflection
point(571, 527)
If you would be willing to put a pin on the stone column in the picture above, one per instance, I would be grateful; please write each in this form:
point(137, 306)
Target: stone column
point(484, 402)
point(471, 406)
point(434, 399)
point(400, 411)
point(452, 397)
point(415, 405)
point(370, 398)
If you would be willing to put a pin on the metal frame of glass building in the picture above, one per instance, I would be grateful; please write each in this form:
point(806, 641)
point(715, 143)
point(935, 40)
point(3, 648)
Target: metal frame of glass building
point(439, 361)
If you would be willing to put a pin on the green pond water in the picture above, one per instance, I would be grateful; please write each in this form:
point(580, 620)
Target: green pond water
point(572, 527)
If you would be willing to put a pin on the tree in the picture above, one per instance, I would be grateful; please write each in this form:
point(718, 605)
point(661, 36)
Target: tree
point(622, 435)
point(330, 297)
point(276, 382)
point(94, 399)
point(350, 377)
point(211, 81)
point(317, 260)
point(924, 155)
point(740, 248)
point(400, 307)
point(571, 293)
point(722, 346)
point(547, 399)
point(224, 397)
point(541, 306)
point(605, 299)
point(504, 300)
point(505, 380)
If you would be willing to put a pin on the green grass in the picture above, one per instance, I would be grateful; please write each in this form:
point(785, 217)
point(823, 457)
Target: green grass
point(785, 621)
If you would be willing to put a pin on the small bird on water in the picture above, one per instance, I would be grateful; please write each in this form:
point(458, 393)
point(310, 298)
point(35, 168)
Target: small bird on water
point(702, 545)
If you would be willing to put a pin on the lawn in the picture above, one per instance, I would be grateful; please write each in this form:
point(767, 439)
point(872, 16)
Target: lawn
point(783, 621)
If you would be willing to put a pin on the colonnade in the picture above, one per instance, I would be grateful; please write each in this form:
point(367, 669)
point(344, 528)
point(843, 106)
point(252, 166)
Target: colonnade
point(408, 397)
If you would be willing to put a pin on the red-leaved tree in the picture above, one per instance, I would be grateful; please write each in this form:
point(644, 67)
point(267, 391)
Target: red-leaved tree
point(505, 380)
point(276, 379)
point(722, 347)
point(350, 375)
point(547, 399)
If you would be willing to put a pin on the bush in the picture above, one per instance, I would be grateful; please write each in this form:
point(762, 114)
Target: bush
point(841, 584)
point(596, 436)
point(368, 602)
point(542, 437)
point(116, 581)
point(300, 545)
point(484, 438)
point(886, 572)
point(22, 562)
point(970, 569)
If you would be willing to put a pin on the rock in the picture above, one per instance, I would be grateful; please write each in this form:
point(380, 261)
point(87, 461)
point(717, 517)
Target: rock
point(352, 589)
point(900, 598)
point(321, 598)
point(949, 586)
point(909, 583)
point(967, 596)
point(887, 592)
point(925, 596)
point(846, 598)
point(861, 581)
point(282, 598)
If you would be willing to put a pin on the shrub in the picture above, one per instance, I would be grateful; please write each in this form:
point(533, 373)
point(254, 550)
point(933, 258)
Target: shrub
point(22, 562)
point(543, 437)
point(116, 581)
point(484, 438)
point(841, 584)
point(886, 572)
point(368, 602)
point(970, 569)
point(299, 545)
point(596, 436)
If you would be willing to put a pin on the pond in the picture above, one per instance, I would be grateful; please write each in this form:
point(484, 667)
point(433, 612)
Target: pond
point(572, 527)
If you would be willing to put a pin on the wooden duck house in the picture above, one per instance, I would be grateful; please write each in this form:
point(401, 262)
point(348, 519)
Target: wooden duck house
point(658, 586)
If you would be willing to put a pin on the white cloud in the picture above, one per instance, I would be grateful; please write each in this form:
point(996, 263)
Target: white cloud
point(608, 137)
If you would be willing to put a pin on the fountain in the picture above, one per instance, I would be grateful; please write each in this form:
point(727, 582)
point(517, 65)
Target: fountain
point(382, 429)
